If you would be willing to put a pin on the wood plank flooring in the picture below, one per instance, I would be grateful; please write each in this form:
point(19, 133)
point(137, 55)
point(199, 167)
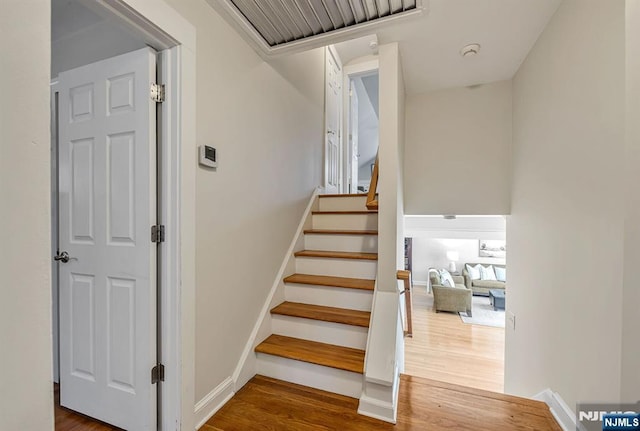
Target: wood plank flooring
point(68, 420)
point(268, 404)
point(443, 348)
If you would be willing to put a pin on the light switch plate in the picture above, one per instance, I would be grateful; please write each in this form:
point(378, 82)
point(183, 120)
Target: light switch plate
point(511, 320)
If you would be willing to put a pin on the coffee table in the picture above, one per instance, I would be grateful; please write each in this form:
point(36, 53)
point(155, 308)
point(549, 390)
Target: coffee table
point(496, 296)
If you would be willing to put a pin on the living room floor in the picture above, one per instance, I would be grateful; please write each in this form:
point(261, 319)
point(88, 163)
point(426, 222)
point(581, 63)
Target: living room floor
point(446, 349)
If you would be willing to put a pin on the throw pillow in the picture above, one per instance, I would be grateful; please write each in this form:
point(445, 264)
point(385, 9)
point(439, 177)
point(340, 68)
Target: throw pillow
point(501, 273)
point(487, 273)
point(474, 271)
point(446, 279)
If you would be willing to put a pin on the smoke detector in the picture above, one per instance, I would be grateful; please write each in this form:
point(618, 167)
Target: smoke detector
point(470, 50)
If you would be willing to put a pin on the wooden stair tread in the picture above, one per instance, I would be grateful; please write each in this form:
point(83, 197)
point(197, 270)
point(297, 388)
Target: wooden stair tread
point(328, 355)
point(325, 314)
point(325, 280)
point(345, 195)
point(340, 232)
point(337, 254)
point(347, 212)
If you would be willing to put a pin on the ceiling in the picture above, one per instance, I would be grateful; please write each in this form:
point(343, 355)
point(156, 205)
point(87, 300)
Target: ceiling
point(430, 44)
point(72, 19)
point(69, 17)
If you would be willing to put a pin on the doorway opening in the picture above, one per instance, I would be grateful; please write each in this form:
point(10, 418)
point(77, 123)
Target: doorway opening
point(362, 134)
point(116, 160)
point(351, 115)
point(459, 271)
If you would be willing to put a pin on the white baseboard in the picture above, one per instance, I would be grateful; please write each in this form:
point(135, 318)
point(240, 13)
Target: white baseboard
point(246, 367)
point(377, 409)
point(381, 409)
point(213, 401)
point(559, 409)
point(419, 283)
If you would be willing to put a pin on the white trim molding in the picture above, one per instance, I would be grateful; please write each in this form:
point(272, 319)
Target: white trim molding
point(378, 407)
point(565, 417)
point(213, 401)
point(176, 38)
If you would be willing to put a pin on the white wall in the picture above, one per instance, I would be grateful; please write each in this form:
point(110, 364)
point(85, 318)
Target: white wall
point(266, 123)
point(26, 397)
point(565, 231)
point(432, 253)
point(391, 211)
point(458, 155)
point(368, 134)
point(630, 378)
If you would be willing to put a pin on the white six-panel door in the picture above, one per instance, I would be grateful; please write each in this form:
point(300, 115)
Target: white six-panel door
point(107, 197)
point(333, 102)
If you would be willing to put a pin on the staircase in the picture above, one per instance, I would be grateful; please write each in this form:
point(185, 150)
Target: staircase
point(319, 333)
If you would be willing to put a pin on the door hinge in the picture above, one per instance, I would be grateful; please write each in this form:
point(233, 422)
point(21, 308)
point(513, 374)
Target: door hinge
point(157, 374)
point(157, 93)
point(157, 233)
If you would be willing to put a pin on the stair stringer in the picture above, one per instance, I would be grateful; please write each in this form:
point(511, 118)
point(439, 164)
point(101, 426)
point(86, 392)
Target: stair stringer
point(247, 366)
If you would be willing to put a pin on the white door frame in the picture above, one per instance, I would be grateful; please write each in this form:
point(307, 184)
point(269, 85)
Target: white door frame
point(175, 39)
point(348, 72)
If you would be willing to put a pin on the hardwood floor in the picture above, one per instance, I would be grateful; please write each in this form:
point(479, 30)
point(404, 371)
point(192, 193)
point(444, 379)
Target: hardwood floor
point(268, 404)
point(67, 420)
point(445, 349)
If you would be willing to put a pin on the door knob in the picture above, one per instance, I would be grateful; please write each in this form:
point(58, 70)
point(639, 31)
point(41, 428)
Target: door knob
point(62, 257)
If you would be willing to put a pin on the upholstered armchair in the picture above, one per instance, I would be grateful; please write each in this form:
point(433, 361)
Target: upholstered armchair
point(447, 298)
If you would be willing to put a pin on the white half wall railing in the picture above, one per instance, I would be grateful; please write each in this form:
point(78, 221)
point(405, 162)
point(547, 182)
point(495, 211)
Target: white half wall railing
point(384, 358)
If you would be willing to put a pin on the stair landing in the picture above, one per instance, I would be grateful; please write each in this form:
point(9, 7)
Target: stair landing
point(423, 404)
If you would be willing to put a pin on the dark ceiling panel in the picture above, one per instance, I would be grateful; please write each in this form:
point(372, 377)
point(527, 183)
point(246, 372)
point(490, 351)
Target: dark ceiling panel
point(282, 21)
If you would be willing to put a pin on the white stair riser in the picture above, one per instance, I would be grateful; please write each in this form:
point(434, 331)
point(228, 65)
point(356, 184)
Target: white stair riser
point(353, 268)
point(353, 299)
point(306, 374)
point(350, 203)
point(346, 221)
point(359, 243)
point(323, 332)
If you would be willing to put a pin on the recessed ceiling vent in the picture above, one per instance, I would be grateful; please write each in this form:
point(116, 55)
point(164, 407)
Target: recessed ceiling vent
point(283, 21)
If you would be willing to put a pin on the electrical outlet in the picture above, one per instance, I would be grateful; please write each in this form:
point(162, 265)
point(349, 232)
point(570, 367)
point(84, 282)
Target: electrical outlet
point(511, 320)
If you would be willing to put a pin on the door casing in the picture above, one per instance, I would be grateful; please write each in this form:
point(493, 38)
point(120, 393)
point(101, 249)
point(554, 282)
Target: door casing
point(174, 38)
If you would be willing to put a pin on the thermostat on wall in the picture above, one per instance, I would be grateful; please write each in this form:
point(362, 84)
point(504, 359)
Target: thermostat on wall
point(208, 156)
